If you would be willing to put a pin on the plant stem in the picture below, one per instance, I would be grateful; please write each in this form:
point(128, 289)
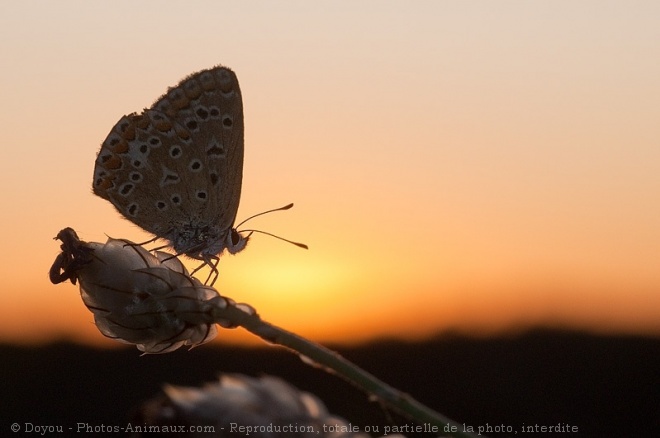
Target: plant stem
point(334, 363)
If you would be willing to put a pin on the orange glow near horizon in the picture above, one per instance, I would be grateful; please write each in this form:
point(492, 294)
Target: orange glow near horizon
point(462, 167)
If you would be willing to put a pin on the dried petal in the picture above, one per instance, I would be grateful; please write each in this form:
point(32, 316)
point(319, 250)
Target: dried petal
point(264, 407)
point(138, 297)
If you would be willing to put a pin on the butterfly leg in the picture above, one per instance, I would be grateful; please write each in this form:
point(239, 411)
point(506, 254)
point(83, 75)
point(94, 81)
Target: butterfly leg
point(212, 261)
point(145, 242)
point(197, 269)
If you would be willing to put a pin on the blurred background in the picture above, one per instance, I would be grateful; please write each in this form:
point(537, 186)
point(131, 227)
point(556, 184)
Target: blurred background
point(476, 168)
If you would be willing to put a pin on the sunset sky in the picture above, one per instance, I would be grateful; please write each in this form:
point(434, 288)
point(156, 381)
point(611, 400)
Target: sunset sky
point(472, 166)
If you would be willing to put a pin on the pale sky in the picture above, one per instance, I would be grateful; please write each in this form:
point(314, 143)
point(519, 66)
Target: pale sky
point(478, 166)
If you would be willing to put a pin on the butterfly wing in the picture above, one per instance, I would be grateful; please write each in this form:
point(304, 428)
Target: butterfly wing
point(176, 169)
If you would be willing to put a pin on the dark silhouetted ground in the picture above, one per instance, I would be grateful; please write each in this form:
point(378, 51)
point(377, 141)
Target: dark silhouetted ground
point(606, 386)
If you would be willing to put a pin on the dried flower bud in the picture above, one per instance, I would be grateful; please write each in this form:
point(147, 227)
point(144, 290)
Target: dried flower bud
point(138, 297)
point(262, 407)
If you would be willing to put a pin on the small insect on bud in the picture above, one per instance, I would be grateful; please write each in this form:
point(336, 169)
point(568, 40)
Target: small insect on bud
point(138, 297)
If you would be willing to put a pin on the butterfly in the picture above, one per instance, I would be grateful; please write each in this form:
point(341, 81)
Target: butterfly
point(176, 169)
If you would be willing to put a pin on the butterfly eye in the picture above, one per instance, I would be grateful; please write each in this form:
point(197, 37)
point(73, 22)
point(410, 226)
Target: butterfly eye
point(235, 237)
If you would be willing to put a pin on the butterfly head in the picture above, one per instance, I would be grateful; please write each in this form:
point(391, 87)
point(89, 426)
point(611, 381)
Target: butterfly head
point(235, 241)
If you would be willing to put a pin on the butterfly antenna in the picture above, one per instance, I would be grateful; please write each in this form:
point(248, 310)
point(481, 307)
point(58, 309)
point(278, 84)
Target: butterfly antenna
point(298, 244)
point(286, 207)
